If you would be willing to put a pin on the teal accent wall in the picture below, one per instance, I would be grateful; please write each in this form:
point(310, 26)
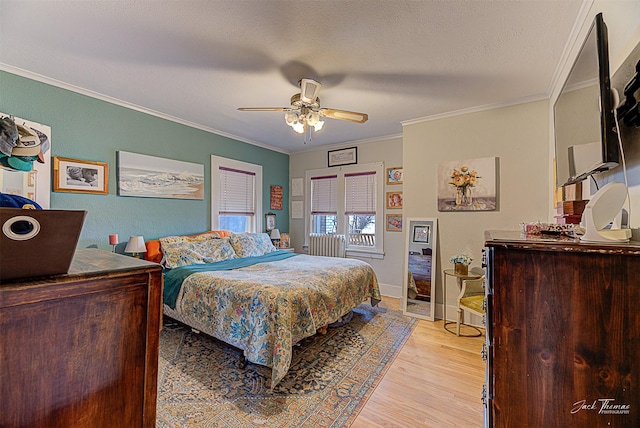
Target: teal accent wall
point(91, 129)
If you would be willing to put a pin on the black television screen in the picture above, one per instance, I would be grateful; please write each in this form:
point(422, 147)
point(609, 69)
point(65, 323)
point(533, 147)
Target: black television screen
point(584, 124)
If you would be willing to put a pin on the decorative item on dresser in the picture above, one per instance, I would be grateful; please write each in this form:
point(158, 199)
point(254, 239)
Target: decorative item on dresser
point(562, 345)
point(81, 349)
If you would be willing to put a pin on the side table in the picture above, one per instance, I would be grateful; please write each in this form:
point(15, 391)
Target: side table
point(460, 278)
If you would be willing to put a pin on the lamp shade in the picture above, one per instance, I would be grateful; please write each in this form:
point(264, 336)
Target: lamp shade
point(113, 239)
point(135, 245)
point(275, 234)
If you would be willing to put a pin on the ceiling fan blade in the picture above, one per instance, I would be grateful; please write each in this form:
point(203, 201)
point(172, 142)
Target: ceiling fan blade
point(351, 116)
point(264, 108)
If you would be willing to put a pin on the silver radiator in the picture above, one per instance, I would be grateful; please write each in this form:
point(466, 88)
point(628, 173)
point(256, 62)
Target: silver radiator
point(327, 245)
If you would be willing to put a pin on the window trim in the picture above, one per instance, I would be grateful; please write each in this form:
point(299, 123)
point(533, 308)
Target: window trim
point(355, 250)
point(216, 163)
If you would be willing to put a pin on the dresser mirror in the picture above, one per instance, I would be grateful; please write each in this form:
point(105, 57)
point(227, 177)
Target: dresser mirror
point(419, 291)
point(34, 184)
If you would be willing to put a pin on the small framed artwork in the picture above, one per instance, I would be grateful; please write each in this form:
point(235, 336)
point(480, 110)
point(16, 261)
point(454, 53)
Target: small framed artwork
point(80, 176)
point(276, 197)
point(394, 223)
point(394, 200)
point(422, 233)
point(270, 221)
point(284, 241)
point(343, 156)
point(32, 178)
point(394, 175)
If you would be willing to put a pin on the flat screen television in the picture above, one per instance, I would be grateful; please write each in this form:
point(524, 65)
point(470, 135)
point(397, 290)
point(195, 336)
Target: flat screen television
point(585, 130)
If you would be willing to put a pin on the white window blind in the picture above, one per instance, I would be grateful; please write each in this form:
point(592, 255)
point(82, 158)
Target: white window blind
point(324, 195)
point(237, 192)
point(360, 193)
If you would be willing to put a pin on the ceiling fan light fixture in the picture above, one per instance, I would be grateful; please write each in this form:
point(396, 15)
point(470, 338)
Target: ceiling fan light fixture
point(290, 117)
point(318, 126)
point(312, 118)
point(298, 127)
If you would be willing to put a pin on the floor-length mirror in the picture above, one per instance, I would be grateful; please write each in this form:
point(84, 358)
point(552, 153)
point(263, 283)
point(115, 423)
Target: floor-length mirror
point(418, 295)
point(36, 183)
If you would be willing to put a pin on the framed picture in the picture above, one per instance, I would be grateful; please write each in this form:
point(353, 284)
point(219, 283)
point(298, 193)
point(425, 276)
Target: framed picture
point(146, 176)
point(394, 175)
point(343, 156)
point(394, 223)
point(421, 233)
point(276, 197)
point(394, 200)
point(80, 176)
point(468, 185)
point(284, 241)
point(270, 221)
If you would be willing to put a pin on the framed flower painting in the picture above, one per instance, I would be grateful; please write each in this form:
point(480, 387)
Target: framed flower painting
point(468, 185)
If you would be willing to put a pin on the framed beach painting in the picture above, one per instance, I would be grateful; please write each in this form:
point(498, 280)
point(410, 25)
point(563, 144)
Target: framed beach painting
point(467, 185)
point(154, 177)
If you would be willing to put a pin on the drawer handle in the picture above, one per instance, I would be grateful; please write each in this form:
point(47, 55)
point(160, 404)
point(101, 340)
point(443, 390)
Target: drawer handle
point(483, 353)
point(484, 394)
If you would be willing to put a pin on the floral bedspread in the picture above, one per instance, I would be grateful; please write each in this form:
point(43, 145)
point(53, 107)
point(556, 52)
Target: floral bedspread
point(264, 309)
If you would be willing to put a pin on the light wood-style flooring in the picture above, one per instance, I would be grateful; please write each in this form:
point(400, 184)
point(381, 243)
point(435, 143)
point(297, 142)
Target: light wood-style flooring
point(435, 381)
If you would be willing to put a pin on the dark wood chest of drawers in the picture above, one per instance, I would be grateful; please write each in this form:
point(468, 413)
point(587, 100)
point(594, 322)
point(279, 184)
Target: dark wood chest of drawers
point(563, 333)
point(81, 349)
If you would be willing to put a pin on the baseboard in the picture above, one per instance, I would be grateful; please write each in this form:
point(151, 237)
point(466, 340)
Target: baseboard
point(390, 290)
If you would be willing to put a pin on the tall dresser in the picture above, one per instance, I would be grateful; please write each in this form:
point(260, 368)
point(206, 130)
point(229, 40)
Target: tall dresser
point(81, 349)
point(563, 333)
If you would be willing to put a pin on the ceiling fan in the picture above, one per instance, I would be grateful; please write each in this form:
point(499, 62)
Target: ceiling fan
point(305, 111)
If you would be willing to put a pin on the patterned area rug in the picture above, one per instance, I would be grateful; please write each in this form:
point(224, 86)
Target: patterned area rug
point(330, 379)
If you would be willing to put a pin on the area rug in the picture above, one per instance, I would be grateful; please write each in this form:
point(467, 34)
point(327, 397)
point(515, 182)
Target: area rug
point(330, 379)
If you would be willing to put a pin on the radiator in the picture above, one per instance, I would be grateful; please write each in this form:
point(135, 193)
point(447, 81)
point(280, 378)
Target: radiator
point(327, 245)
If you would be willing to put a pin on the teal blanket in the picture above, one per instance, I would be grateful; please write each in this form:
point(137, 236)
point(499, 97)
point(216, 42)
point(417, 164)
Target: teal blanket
point(173, 278)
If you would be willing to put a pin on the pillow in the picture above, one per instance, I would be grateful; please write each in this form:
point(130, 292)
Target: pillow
point(154, 251)
point(190, 250)
point(251, 244)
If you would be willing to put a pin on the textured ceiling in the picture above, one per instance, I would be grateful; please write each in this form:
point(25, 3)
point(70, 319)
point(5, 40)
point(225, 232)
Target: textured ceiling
point(198, 61)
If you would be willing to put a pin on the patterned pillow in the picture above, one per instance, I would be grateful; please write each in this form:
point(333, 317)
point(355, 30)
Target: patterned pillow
point(251, 244)
point(190, 250)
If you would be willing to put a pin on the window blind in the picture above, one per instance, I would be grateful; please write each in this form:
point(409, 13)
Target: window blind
point(237, 192)
point(360, 193)
point(324, 195)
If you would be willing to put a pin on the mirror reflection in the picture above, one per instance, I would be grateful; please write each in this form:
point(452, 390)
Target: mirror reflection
point(419, 282)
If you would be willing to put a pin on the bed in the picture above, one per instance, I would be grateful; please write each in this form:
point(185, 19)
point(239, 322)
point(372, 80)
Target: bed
point(240, 289)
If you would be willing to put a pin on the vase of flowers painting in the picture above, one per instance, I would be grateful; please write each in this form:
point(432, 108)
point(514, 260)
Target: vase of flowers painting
point(464, 179)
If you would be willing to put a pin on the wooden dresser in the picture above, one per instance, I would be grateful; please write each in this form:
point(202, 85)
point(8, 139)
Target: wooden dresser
point(81, 349)
point(563, 333)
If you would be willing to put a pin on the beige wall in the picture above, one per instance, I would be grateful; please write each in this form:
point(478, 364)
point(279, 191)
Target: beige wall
point(518, 137)
point(388, 270)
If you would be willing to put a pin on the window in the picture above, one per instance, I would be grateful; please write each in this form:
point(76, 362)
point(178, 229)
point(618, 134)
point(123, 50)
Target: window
point(347, 202)
point(236, 195)
point(324, 209)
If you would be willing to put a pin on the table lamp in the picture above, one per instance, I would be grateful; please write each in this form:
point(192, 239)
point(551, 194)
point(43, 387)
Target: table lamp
point(135, 246)
point(113, 240)
point(275, 237)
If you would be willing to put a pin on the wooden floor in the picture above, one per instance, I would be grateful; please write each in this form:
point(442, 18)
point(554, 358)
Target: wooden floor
point(435, 381)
